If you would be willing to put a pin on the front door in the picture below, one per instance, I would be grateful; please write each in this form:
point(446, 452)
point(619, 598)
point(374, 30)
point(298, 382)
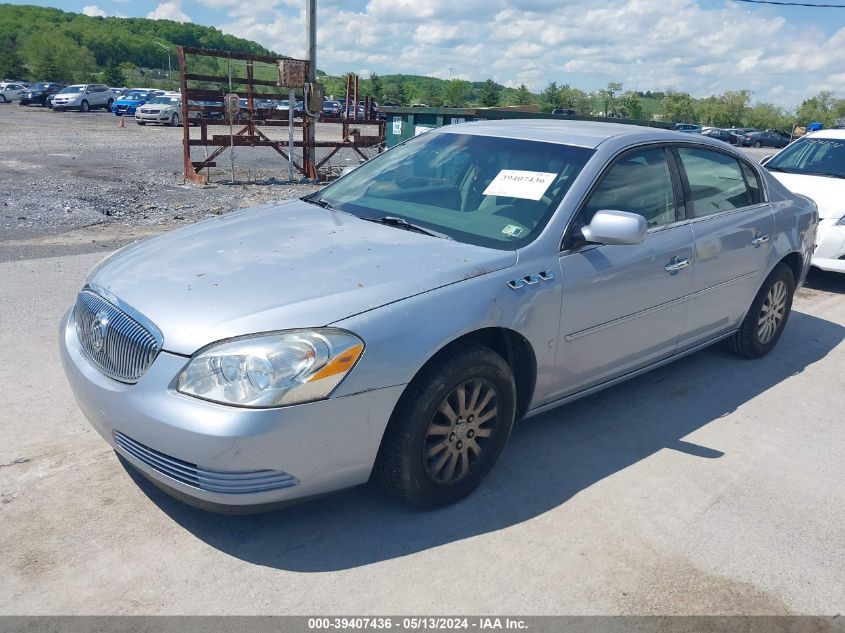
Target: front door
point(623, 307)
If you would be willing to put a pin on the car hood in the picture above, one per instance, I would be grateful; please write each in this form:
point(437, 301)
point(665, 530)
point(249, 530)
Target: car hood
point(827, 193)
point(280, 266)
point(128, 102)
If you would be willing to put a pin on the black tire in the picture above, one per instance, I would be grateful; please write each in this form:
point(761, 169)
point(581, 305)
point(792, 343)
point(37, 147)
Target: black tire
point(3, 97)
point(109, 104)
point(84, 107)
point(407, 455)
point(748, 340)
point(141, 122)
point(44, 102)
point(758, 144)
point(174, 120)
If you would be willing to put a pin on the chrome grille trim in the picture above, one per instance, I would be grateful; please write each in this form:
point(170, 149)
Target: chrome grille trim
point(229, 482)
point(129, 343)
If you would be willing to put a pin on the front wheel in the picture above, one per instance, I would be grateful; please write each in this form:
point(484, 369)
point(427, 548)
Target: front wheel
point(84, 107)
point(766, 319)
point(4, 99)
point(449, 427)
point(141, 122)
point(109, 104)
point(758, 144)
point(174, 120)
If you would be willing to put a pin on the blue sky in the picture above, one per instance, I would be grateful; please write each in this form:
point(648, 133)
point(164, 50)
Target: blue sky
point(783, 54)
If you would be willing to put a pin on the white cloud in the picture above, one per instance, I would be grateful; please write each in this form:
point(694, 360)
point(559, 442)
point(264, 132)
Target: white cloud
point(171, 10)
point(94, 11)
point(646, 44)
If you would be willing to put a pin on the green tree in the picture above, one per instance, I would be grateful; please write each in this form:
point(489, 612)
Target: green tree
point(489, 94)
point(823, 108)
point(678, 107)
point(607, 96)
point(456, 93)
point(113, 75)
point(767, 116)
point(376, 87)
point(630, 105)
point(522, 96)
point(551, 96)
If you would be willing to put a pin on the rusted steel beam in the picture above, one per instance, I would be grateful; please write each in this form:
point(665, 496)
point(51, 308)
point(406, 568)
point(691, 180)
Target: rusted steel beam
point(188, 170)
point(204, 94)
point(235, 80)
point(205, 52)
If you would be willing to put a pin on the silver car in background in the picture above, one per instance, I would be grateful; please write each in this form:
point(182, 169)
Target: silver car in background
point(398, 322)
point(83, 97)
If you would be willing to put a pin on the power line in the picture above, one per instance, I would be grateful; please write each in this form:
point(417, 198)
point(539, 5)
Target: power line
point(795, 4)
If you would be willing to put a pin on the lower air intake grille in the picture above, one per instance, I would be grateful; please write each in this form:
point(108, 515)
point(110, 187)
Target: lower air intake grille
point(230, 482)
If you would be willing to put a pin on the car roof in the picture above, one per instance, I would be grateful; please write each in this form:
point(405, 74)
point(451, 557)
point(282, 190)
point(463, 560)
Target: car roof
point(568, 132)
point(830, 133)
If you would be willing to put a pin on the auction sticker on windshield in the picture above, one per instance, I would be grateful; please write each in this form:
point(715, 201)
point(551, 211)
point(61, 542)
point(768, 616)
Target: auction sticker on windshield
point(515, 183)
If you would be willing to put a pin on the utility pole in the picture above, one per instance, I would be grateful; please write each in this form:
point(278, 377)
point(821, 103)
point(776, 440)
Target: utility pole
point(169, 67)
point(311, 27)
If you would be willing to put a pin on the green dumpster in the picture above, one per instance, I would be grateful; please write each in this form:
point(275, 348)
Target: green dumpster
point(403, 123)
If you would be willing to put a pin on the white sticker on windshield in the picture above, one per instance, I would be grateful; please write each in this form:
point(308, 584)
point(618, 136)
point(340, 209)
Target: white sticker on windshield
point(515, 183)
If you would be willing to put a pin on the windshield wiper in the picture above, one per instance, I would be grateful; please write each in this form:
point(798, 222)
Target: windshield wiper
point(318, 201)
point(402, 223)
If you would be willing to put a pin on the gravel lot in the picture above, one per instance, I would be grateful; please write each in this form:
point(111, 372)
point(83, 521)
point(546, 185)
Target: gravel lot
point(73, 182)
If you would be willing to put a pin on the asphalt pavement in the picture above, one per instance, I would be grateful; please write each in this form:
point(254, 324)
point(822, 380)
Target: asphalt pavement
point(710, 486)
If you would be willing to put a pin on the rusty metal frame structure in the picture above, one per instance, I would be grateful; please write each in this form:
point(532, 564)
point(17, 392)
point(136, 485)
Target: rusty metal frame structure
point(252, 119)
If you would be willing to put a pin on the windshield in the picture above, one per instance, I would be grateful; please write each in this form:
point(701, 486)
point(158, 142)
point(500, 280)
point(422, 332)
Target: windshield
point(73, 90)
point(483, 190)
point(165, 100)
point(134, 96)
point(813, 155)
point(39, 86)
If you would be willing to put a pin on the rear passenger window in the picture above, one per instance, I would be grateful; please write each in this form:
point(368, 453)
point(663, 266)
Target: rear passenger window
point(715, 180)
point(639, 182)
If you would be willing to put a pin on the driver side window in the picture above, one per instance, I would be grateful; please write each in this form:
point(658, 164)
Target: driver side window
point(639, 182)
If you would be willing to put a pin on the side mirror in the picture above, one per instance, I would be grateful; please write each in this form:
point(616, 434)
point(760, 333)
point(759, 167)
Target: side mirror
point(615, 227)
point(766, 159)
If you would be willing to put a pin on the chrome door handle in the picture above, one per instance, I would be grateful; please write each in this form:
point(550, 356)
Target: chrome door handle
point(760, 239)
point(675, 265)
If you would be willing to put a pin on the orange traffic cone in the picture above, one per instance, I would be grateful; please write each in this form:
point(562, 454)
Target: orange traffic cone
point(122, 122)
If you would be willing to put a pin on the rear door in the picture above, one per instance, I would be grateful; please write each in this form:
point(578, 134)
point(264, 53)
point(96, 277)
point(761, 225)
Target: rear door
point(623, 307)
point(733, 227)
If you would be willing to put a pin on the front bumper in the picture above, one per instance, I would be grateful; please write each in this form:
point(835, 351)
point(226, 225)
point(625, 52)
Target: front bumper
point(830, 246)
point(162, 116)
point(181, 442)
point(123, 110)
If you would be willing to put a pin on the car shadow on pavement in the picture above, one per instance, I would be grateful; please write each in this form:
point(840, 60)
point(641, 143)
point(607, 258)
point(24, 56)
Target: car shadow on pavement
point(825, 280)
point(550, 458)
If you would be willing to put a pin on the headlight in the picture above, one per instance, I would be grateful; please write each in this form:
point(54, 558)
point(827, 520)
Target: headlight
point(272, 370)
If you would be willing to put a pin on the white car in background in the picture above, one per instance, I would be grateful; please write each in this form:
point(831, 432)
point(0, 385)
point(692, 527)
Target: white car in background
point(10, 91)
point(165, 109)
point(814, 166)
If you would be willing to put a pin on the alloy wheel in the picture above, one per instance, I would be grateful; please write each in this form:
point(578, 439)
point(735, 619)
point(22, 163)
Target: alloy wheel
point(459, 431)
point(772, 312)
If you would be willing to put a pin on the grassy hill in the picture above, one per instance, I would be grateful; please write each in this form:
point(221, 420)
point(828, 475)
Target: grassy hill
point(39, 43)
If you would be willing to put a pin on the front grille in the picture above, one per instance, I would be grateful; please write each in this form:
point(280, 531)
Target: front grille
point(120, 345)
point(230, 482)
point(148, 111)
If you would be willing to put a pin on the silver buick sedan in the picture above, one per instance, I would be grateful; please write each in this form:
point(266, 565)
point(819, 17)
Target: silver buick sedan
point(396, 324)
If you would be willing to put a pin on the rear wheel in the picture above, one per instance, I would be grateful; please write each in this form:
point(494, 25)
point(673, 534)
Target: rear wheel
point(449, 427)
point(84, 107)
point(758, 144)
point(766, 319)
point(109, 104)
